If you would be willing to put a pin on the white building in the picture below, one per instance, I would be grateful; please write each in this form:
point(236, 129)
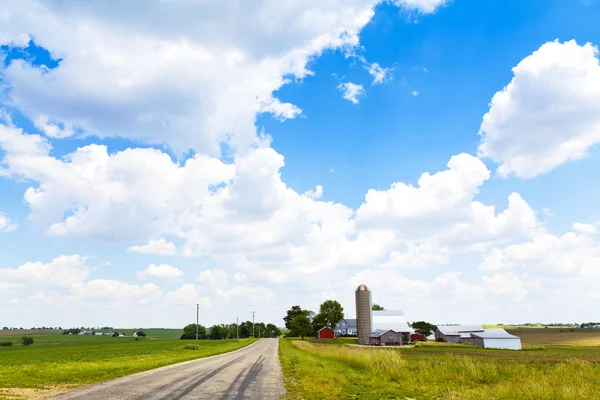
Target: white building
point(496, 339)
point(391, 320)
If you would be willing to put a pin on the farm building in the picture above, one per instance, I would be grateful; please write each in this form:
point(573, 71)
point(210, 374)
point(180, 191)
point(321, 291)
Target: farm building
point(495, 339)
point(476, 335)
point(455, 333)
point(385, 338)
point(326, 333)
point(417, 337)
point(391, 320)
point(346, 326)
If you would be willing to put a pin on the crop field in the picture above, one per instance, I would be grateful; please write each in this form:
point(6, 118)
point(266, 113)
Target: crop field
point(56, 363)
point(554, 364)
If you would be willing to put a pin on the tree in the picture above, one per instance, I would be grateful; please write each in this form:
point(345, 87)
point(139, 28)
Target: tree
point(217, 332)
point(377, 307)
point(246, 329)
point(26, 340)
point(189, 332)
point(331, 313)
point(301, 325)
point(318, 322)
point(424, 328)
point(292, 313)
point(272, 331)
point(140, 333)
point(260, 329)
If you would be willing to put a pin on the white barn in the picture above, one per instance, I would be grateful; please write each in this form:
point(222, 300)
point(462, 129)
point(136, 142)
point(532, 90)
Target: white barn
point(496, 339)
point(390, 320)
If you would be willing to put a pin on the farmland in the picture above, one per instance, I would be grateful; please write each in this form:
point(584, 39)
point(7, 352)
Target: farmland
point(554, 364)
point(57, 362)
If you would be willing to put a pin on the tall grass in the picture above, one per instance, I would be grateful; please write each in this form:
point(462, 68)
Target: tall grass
point(314, 371)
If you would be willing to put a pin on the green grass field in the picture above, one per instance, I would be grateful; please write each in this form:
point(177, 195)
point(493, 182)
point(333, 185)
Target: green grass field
point(57, 362)
point(553, 365)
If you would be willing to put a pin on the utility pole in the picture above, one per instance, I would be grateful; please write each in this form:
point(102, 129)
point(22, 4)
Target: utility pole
point(197, 320)
point(237, 328)
point(253, 312)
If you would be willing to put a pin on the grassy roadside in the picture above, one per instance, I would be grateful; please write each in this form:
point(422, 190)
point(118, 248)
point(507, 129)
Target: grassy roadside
point(316, 371)
point(66, 362)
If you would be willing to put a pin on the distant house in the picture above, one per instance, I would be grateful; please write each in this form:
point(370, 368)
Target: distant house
point(346, 327)
point(476, 335)
point(121, 335)
point(326, 333)
point(385, 338)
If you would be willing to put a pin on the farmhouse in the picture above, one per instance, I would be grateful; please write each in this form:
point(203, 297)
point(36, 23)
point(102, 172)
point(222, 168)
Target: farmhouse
point(345, 327)
point(385, 338)
point(326, 333)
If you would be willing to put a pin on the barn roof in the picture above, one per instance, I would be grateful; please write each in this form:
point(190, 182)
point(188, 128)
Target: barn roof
point(351, 323)
point(496, 333)
point(380, 332)
point(455, 330)
point(325, 327)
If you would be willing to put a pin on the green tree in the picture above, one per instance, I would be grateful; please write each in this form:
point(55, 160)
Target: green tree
point(260, 329)
point(301, 325)
point(272, 331)
point(189, 332)
point(217, 332)
point(26, 340)
point(140, 333)
point(424, 328)
point(246, 329)
point(292, 313)
point(318, 322)
point(377, 307)
point(331, 313)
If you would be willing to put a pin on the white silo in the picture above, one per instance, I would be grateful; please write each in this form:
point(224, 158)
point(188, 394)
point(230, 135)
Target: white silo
point(363, 314)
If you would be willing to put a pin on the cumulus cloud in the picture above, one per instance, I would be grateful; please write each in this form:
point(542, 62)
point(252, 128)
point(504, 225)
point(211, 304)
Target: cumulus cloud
point(63, 271)
point(187, 294)
point(548, 114)
point(585, 228)
point(197, 78)
point(351, 91)
point(6, 225)
point(159, 246)
point(163, 271)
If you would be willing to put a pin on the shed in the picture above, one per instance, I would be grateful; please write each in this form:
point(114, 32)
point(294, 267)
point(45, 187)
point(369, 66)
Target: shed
point(496, 339)
point(385, 338)
point(417, 337)
point(391, 320)
point(326, 333)
point(456, 333)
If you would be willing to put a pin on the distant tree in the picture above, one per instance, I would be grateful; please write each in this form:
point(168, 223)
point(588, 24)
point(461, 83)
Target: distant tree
point(217, 332)
point(294, 312)
point(301, 325)
point(424, 328)
point(377, 307)
point(189, 332)
point(318, 322)
point(115, 334)
point(26, 340)
point(331, 313)
point(272, 331)
point(5, 328)
point(246, 329)
point(260, 329)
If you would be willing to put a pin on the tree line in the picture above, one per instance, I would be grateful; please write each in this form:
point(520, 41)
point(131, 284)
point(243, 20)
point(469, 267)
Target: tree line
point(301, 322)
point(231, 331)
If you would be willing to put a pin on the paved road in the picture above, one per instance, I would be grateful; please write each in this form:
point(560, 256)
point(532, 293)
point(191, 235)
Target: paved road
point(253, 372)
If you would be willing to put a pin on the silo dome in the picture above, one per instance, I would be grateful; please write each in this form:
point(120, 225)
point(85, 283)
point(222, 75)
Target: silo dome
point(362, 287)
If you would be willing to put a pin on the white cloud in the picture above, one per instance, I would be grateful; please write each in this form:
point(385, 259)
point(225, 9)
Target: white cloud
point(316, 194)
point(351, 91)
point(162, 271)
point(114, 290)
point(159, 246)
point(63, 271)
point(378, 73)
point(187, 295)
point(415, 93)
point(197, 78)
point(548, 114)
point(6, 225)
point(585, 228)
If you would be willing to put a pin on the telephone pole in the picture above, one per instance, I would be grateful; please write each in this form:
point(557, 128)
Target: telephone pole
point(253, 312)
point(237, 328)
point(197, 320)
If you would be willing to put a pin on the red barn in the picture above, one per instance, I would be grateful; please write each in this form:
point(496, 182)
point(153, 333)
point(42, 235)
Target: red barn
point(417, 337)
point(326, 333)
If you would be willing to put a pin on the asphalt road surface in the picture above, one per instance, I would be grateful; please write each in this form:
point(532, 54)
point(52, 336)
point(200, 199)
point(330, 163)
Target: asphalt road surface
point(252, 372)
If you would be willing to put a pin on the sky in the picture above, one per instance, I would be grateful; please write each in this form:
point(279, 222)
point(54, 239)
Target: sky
point(155, 155)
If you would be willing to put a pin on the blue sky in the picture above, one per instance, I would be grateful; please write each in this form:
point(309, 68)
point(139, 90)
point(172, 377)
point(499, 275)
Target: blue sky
point(237, 229)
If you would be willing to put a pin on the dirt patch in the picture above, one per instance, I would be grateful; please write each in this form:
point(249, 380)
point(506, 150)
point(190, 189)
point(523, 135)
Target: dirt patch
point(32, 394)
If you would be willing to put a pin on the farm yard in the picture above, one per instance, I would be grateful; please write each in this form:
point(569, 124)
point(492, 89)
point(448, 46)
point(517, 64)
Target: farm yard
point(555, 363)
point(57, 363)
